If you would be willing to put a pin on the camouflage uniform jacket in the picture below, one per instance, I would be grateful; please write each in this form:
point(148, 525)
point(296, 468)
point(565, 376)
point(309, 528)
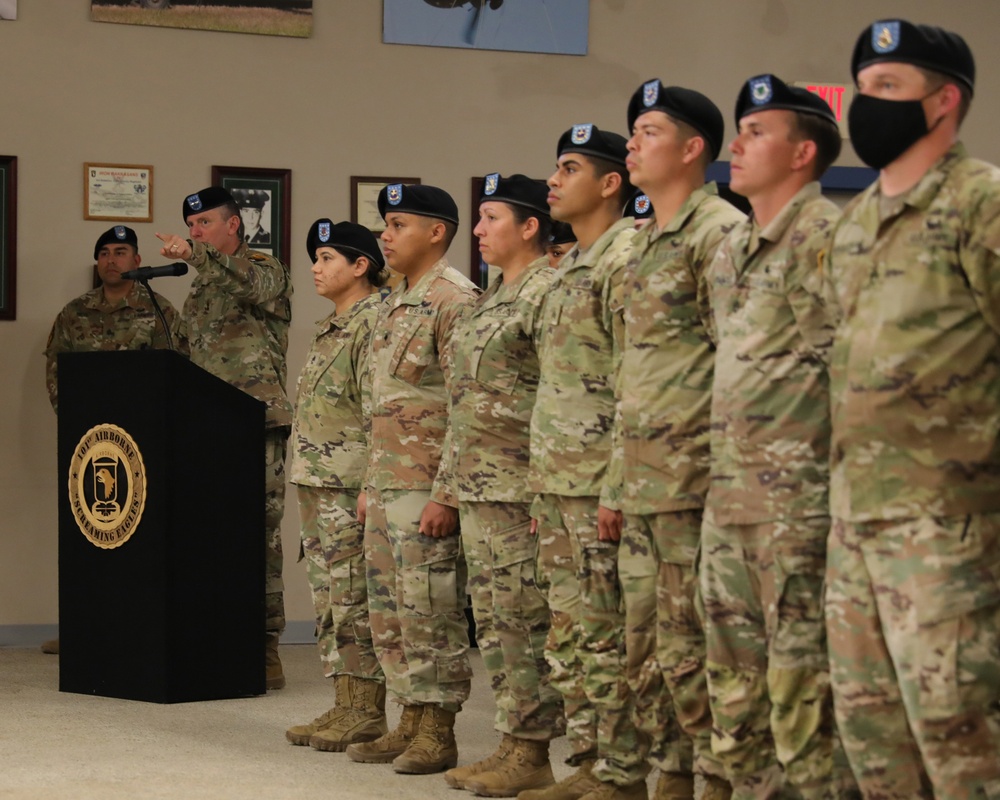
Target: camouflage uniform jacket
point(235, 323)
point(411, 370)
point(770, 400)
point(494, 386)
point(91, 323)
point(575, 408)
point(661, 429)
point(329, 442)
point(915, 367)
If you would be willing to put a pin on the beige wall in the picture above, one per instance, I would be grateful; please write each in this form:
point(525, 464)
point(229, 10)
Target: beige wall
point(335, 105)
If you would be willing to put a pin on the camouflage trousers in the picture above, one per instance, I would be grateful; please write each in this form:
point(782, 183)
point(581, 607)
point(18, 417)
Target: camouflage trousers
point(416, 602)
point(665, 641)
point(586, 646)
point(913, 613)
point(275, 440)
point(512, 618)
point(333, 545)
point(768, 674)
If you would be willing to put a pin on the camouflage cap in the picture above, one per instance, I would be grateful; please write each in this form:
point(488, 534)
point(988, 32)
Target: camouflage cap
point(347, 238)
point(119, 233)
point(927, 46)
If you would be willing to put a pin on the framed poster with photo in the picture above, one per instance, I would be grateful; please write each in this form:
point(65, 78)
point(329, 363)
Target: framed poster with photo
point(8, 237)
point(119, 192)
point(265, 200)
point(364, 199)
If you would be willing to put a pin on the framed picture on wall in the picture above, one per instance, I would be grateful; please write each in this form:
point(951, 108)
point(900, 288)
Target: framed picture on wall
point(265, 200)
point(364, 199)
point(8, 237)
point(119, 192)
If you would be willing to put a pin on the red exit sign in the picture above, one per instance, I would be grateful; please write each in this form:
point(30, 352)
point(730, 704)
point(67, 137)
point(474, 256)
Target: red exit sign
point(837, 96)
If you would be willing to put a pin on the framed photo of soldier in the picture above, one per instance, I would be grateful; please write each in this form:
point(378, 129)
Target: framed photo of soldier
point(364, 199)
point(265, 200)
point(8, 237)
point(118, 192)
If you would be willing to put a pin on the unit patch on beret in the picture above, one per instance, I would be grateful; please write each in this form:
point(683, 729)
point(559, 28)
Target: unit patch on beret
point(120, 232)
point(491, 183)
point(650, 93)
point(581, 133)
point(760, 90)
point(641, 204)
point(324, 231)
point(394, 194)
point(195, 202)
point(885, 36)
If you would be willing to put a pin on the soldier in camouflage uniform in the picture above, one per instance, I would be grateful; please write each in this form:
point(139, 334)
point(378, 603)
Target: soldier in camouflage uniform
point(561, 241)
point(913, 565)
point(416, 575)
point(766, 517)
point(493, 393)
point(117, 315)
point(570, 450)
point(659, 469)
point(329, 455)
point(235, 325)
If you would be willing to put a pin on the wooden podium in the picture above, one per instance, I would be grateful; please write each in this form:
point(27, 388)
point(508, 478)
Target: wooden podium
point(161, 530)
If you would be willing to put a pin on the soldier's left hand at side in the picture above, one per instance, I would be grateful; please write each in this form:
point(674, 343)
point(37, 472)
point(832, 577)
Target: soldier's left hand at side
point(438, 520)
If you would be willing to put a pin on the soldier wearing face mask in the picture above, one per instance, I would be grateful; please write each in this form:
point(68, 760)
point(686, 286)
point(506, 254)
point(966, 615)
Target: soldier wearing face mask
point(913, 570)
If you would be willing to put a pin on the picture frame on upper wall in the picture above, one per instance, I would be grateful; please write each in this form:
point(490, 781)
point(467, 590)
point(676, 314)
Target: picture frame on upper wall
point(8, 237)
point(269, 17)
point(118, 192)
point(8, 9)
point(264, 197)
point(365, 190)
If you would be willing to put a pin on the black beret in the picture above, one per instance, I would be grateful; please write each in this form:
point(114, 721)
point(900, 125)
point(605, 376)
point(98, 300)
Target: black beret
point(562, 233)
point(769, 92)
point(416, 198)
point(347, 238)
point(517, 189)
point(119, 233)
point(685, 105)
point(638, 206)
point(250, 198)
point(592, 141)
point(926, 46)
point(206, 200)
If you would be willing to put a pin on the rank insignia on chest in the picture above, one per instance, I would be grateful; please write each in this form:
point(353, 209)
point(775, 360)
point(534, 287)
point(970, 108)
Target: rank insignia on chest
point(760, 90)
point(194, 202)
point(324, 231)
point(581, 133)
point(394, 194)
point(885, 36)
point(491, 183)
point(650, 93)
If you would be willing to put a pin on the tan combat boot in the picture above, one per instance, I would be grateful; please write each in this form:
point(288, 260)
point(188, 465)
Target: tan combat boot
point(715, 789)
point(674, 786)
point(362, 715)
point(389, 745)
point(457, 777)
point(612, 791)
point(433, 749)
point(526, 766)
point(571, 788)
point(274, 677)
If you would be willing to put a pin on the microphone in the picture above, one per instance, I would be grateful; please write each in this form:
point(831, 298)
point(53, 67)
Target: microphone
point(145, 273)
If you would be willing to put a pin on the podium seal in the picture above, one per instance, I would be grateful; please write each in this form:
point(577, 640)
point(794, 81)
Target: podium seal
point(107, 486)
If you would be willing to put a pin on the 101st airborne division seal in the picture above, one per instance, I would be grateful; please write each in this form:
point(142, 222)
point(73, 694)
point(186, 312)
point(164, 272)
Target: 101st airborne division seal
point(107, 486)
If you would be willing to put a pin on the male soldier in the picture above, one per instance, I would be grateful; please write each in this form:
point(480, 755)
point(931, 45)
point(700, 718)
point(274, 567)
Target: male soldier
point(251, 203)
point(570, 451)
point(235, 325)
point(416, 581)
point(117, 315)
point(661, 461)
point(766, 518)
point(913, 571)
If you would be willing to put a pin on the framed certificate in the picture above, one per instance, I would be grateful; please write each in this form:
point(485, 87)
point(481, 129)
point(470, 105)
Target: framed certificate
point(364, 199)
point(121, 192)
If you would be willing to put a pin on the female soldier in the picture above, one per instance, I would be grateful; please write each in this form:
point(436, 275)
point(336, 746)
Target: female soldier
point(328, 458)
point(493, 392)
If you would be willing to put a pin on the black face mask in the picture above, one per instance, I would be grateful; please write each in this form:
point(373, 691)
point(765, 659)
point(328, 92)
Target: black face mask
point(882, 130)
